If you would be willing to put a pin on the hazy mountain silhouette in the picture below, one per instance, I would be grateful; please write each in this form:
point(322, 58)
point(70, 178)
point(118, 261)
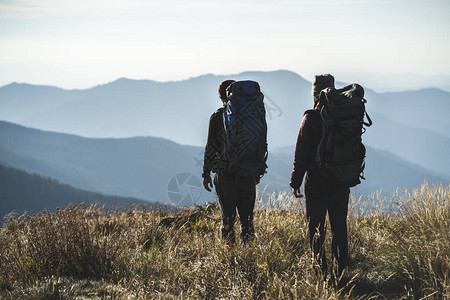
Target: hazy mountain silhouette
point(384, 171)
point(176, 110)
point(420, 146)
point(147, 168)
point(23, 192)
point(134, 167)
point(412, 125)
point(180, 111)
point(421, 109)
point(19, 102)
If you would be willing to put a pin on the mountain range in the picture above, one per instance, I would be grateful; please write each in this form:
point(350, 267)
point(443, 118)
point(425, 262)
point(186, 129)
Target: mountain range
point(159, 170)
point(23, 192)
point(129, 167)
point(409, 124)
point(129, 137)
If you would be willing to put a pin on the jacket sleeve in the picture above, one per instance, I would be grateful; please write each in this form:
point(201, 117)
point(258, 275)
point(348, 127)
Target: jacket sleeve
point(208, 156)
point(212, 145)
point(304, 151)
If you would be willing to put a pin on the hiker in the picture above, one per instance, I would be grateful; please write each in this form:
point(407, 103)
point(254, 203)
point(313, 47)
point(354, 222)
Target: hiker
point(322, 194)
point(227, 154)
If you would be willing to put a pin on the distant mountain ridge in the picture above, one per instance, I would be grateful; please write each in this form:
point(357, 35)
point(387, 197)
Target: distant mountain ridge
point(24, 192)
point(412, 124)
point(421, 109)
point(127, 167)
point(417, 145)
point(128, 108)
point(145, 167)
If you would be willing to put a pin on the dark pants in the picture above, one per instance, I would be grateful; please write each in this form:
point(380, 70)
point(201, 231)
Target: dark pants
point(236, 192)
point(322, 196)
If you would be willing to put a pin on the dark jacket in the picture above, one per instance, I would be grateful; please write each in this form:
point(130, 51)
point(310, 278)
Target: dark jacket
point(214, 145)
point(305, 150)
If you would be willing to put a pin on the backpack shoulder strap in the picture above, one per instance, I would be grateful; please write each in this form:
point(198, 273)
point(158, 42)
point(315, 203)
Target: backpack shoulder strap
point(312, 111)
point(369, 120)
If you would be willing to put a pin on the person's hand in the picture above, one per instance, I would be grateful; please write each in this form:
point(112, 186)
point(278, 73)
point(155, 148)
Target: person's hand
point(207, 183)
point(257, 180)
point(297, 193)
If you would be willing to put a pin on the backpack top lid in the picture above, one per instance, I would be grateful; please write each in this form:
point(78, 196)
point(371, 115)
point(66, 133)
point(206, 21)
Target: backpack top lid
point(343, 103)
point(352, 91)
point(349, 95)
point(243, 89)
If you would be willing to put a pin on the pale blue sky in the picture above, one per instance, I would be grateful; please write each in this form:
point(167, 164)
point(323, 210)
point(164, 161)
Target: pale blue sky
point(81, 43)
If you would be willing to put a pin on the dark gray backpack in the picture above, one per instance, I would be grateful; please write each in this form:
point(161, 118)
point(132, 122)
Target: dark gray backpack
point(340, 153)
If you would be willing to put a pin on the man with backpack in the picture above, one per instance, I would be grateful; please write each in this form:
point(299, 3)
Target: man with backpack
point(330, 152)
point(213, 159)
point(236, 151)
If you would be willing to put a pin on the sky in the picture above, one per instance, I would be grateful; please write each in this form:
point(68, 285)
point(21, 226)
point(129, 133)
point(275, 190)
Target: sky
point(82, 43)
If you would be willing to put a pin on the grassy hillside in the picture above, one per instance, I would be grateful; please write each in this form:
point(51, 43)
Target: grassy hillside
point(85, 253)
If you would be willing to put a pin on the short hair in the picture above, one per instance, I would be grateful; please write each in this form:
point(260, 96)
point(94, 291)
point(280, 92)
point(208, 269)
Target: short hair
point(223, 89)
point(322, 82)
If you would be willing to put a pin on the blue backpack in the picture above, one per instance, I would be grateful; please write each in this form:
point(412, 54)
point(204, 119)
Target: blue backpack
point(245, 142)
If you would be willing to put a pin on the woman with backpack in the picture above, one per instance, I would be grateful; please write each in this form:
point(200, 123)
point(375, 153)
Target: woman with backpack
point(322, 195)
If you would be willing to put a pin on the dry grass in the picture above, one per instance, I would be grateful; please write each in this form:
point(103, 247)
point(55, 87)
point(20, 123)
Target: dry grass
point(84, 253)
